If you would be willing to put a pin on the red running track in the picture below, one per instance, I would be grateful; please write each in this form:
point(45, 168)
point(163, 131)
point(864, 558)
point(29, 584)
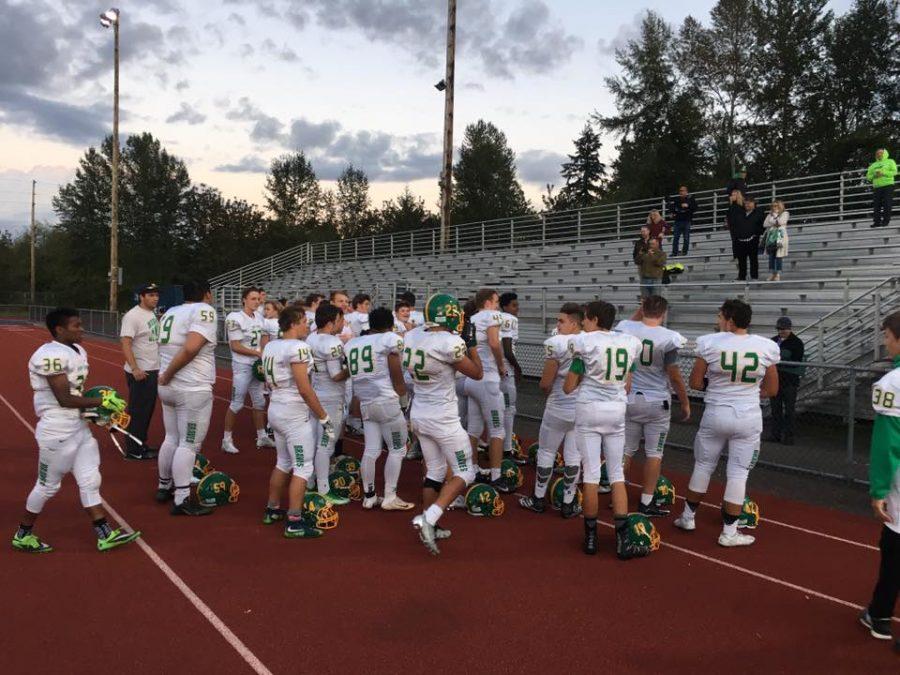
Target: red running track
point(512, 594)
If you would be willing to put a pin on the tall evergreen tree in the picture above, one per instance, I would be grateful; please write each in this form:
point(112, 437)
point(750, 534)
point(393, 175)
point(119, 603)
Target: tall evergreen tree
point(354, 212)
point(485, 183)
point(293, 196)
point(584, 173)
point(406, 213)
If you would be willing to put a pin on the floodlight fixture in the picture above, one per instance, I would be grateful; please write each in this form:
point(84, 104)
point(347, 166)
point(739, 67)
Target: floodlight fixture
point(440, 86)
point(109, 17)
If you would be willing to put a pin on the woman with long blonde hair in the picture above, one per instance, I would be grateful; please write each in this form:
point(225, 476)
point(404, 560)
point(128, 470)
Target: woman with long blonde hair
point(776, 238)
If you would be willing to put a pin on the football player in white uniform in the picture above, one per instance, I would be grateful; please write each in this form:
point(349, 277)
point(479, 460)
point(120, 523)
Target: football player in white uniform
point(358, 319)
point(374, 361)
point(739, 368)
point(650, 400)
point(884, 487)
point(57, 371)
point(486, 405)
point(187, 360)
point(416, 317)
point(287, 364)
point(434, 356)
point(329, 376)
point(246, 340)
point(261, 304)
point(402, 322)
point(601, 368)
point(509, 335)
point(270, 327)
point(558, 422)
point(312, 302)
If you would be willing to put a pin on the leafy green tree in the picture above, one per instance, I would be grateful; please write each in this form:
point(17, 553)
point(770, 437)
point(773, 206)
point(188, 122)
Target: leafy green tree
point(406, 213)
point(293, 196)
point(485, 183)
point(584, 173)
point(354, 209)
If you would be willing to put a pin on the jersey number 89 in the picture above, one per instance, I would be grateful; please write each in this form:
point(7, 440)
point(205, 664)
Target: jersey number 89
point(355, 355)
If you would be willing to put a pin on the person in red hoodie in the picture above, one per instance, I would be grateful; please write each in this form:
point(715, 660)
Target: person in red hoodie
point(658, 227)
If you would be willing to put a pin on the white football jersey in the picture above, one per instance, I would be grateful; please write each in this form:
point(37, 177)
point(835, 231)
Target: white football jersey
point(659, 349)
point(416, 318)
point(608, 358)
point(886, 394)
point(247, 330)
point(429, 356)
point(482, 321)
point(367, 360)
point(556, 348)
point(311, 322)
point(509, 328)
point(407, 375)
point(277, 358)
point(328, 361)
point(399, 326)
point(358, 322)
point(271, 329)
point(192, 317)
point(736, 365)
point(55, 358)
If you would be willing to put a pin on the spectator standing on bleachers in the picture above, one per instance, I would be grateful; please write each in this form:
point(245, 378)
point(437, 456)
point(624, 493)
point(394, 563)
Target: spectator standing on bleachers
point(738, 181)
point(784, 402)
point(746, 231)
point(881, 174)
point(658, 226)
point(652, 264)
point(641, 244)
point(683, 206)
point(776, 241)
point(733, 216)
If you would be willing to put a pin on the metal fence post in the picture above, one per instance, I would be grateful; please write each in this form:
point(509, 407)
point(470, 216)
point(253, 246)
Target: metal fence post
point(512, 233)
point(663, 209)
point(876, 328)
point(392, 244)
point(618, 222)
point(578, 228)
point(412, 239)
point(432, 241)
point(543, 229)
point(820, 352)
point(851, 423)
point(773, 190)
point(841, 199)
point(482, 235)
point(356, 249)
point(544, 308)
point(715, 218)
point(456, 229)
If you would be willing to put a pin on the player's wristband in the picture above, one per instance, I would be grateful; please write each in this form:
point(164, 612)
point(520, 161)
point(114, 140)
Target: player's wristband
point(577, 366)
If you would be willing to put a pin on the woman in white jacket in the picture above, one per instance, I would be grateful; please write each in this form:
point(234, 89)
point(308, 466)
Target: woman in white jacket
point(776, 238)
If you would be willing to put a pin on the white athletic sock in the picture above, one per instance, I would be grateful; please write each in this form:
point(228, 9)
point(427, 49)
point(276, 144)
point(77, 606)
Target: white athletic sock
point(227, 437)
point(730, 530)
point(688, 511)
point(509, 418)
point(322, 463)
point(261, 433)
point(433, 514)
point(164, 460)
point(495, 473)
point(392, 466)
point(182, 469)
point(646, 499)
point(367, 473)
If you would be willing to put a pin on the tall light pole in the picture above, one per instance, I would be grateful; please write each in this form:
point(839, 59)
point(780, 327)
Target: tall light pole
point(111, 18)
point(447, 170)
point(33, 234)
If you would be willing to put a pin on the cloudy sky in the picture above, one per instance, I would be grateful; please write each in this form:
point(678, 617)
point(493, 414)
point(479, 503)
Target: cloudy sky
point(229, 84)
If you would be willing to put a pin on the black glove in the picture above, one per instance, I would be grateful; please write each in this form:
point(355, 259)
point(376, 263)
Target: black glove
point(468, 335)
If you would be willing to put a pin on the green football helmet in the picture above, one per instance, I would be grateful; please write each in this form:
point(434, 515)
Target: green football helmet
point(642, 532)
point(558, 491)
point(344, 485)
point(100, 415)
point(604, 477)
point(321, 514)
point(664, 495)
point(512, 472)
point(559, 466)
point(442, 309)
point(349, 465)
point(201, 466)
point(532, 453)
point(258, 371)
point(484, 500)
point(217, 488)
point(749, 517)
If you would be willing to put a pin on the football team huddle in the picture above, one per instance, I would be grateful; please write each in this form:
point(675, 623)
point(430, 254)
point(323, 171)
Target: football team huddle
point(439, 385)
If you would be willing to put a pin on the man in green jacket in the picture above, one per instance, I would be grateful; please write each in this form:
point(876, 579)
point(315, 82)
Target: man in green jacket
point(881, 174)
point(884, 487)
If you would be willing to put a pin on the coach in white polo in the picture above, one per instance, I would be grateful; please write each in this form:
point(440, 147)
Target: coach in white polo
point(140, 344)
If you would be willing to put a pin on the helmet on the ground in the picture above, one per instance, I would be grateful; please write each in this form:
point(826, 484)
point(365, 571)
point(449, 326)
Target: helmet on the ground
point(664, 495)
point(217, 488)
point(559, 465)
point(201, 466)
point(258, 371)
point(443, 309)
point(343, 484)
point(511, 471)
point(100, 415)
point(532, 453)
point(484, 500)
point(320, 513)
point(517, 449)
point(749, 517)
point(348, 464)
point(642, 532)
point(604, 477)
point(558, 492)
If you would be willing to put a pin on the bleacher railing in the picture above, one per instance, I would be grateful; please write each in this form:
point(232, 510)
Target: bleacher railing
point(845, 194)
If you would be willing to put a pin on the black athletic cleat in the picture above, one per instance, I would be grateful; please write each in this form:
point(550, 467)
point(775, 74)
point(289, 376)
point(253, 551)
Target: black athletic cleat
point(273, 515)
point(144, 453)
point(503, 485)
point(570, 509)
point(626, 549)
point(190, 508)
point(880, 629)
point(536, 504)
point(164, 495)
point(652, 510)
point(590, 541)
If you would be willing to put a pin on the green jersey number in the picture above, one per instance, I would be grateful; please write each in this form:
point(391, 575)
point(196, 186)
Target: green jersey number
point(882, 398)
point(417, 359)
point(646, 356)
point(254, 338)
point(153, 325)
point(166, 329)
point(616, 364)
point(269, 370)
point(740, 366)
point(364, 355)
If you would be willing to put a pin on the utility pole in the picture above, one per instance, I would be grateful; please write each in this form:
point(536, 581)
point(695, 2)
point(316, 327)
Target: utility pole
point(114, 207)
point(447, 170)
point(33, 236)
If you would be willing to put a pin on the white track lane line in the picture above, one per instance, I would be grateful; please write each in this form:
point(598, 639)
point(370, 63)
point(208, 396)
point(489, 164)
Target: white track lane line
point(204, 609)
point(789, 526)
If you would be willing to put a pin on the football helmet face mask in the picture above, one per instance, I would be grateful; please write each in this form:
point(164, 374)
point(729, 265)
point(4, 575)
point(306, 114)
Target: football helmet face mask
point(343, 484)
point(320, 512)
point(100, 415)
point(749, 517)
point(201, 466)
point(444, 310)
point(217, 488)
point(484, 500)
